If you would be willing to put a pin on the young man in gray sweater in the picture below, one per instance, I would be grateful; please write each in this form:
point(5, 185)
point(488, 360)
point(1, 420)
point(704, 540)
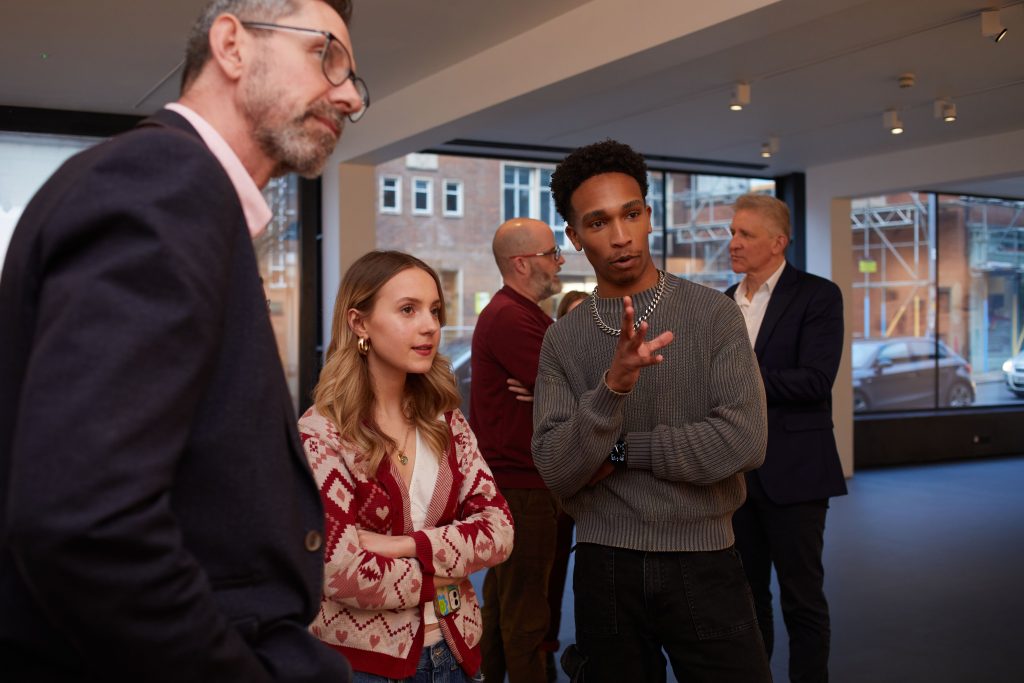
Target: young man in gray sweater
point(648, 409)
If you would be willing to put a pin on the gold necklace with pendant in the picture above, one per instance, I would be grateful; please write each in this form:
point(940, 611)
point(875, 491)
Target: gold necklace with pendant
point(402, 457)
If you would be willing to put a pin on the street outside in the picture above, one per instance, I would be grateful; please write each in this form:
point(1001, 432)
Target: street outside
point(991, 390)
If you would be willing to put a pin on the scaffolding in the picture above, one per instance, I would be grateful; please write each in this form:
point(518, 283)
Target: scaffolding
point(894, 245)
point(896, 250)
point(996, 251)
point(994, 247)
point(698, 220)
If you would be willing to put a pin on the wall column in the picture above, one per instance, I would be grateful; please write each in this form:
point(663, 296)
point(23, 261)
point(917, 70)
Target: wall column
point(841, 259)
point(349, 226)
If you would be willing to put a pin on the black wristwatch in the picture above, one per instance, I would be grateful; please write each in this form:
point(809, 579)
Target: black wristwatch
point(618, 454)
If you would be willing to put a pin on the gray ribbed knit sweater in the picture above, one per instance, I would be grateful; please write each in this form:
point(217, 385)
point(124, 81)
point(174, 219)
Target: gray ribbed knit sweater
point(693, 423)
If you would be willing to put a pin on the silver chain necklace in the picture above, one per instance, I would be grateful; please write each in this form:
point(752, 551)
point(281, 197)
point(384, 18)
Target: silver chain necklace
point(615, 332)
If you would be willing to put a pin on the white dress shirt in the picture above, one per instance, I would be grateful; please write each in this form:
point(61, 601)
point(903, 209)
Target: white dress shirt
point(753, 309)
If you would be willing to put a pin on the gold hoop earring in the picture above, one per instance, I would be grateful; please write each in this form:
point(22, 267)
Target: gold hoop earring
point(363, 345)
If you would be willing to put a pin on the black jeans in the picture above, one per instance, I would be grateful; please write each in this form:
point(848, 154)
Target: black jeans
point(790, 537)
point(695, 606)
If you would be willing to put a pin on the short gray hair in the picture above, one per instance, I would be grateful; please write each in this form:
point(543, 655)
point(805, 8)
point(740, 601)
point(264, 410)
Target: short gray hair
point(197, 49)
point(771, 208)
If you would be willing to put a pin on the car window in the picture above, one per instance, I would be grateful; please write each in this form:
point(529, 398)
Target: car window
point(923, 350)
point(863, 352)
point(897, 352)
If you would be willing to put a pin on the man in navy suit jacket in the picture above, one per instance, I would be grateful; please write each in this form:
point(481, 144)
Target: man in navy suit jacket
point(795, 323)
point(158, 520)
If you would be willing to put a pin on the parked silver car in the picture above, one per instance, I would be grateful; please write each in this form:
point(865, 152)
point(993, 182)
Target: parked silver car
point(906, 373)
point(459, 352)
point(1013, 372)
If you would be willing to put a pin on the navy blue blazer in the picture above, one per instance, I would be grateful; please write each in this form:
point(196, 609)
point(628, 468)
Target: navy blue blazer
point(159, 520)
point(798, 348)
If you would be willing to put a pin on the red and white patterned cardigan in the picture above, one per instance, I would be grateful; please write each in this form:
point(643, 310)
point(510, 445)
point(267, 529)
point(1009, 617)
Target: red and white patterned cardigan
point(371, 605)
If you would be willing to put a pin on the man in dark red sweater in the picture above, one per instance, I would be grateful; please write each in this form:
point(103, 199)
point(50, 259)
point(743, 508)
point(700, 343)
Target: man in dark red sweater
point(506, 346)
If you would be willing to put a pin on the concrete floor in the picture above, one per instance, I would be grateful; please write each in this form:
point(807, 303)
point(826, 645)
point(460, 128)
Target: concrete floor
point(923, 572)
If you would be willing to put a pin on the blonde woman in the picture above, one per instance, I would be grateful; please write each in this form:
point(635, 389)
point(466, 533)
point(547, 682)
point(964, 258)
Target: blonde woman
point(411, 507)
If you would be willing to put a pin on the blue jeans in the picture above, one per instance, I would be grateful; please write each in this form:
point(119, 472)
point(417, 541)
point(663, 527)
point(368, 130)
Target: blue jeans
point(437, 665)
point(696, 607)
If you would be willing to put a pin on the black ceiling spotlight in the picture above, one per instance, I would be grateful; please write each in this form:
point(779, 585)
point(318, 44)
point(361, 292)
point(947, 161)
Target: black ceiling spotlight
point(992, 25)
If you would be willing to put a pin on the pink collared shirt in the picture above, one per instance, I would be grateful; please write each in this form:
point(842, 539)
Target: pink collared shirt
point(254, 206)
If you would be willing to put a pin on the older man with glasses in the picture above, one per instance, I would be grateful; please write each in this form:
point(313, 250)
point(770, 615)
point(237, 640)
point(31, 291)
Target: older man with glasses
point(506, 346)
point(159, 521)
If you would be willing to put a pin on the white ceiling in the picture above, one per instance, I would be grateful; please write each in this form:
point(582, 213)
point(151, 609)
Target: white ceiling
point(821, 73)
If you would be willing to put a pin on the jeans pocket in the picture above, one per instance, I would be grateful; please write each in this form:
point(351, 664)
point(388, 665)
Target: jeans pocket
point(573, 663)
point(593, 580)
point(718, 594)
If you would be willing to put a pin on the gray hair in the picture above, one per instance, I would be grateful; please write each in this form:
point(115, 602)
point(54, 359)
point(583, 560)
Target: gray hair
point(197, 49)
point(776, 211)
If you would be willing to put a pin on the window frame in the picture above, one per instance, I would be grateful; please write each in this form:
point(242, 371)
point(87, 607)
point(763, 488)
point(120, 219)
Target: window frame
point(429, 211)
point(310, 330)
point(536, 192)
point(381, 206)
point(460, 196)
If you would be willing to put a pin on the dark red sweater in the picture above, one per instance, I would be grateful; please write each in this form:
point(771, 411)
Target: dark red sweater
point(506, 343)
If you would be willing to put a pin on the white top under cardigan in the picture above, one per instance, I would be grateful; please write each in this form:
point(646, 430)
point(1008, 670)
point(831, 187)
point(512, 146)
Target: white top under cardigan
point(421, 490)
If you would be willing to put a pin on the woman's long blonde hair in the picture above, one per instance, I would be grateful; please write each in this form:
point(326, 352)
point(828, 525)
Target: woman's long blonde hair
point(344, 393)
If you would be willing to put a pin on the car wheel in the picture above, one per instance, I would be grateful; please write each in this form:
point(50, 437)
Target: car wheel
point(960, 395)
point(1018, 394)
point(860, 402)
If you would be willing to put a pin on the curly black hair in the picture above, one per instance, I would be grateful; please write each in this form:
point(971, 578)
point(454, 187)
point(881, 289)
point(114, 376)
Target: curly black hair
point(607, 156)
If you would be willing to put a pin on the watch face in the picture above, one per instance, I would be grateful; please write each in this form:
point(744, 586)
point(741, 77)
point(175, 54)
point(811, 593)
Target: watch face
point(618, 454)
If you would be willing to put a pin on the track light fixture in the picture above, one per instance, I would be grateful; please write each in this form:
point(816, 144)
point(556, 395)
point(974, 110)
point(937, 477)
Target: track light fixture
point(992, 25)
point(770, 148)
point(945, 109)
point(891, 120)
point(740, 96)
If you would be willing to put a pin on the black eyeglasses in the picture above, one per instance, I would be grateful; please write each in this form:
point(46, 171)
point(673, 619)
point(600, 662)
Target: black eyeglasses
point(335, 62)
point(555, 253)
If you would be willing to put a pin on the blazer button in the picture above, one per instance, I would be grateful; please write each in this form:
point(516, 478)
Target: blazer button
point(314, 541)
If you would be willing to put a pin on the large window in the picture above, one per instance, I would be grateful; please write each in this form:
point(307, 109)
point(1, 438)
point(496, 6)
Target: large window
point(939, 279)
point(28, 160)
point(279, 255)
point(698, 213)
point(526, 192)
point(690, 230)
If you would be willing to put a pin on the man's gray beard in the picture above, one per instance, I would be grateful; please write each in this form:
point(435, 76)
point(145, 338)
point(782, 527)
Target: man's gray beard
point(548, 289)
point(295, 149)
